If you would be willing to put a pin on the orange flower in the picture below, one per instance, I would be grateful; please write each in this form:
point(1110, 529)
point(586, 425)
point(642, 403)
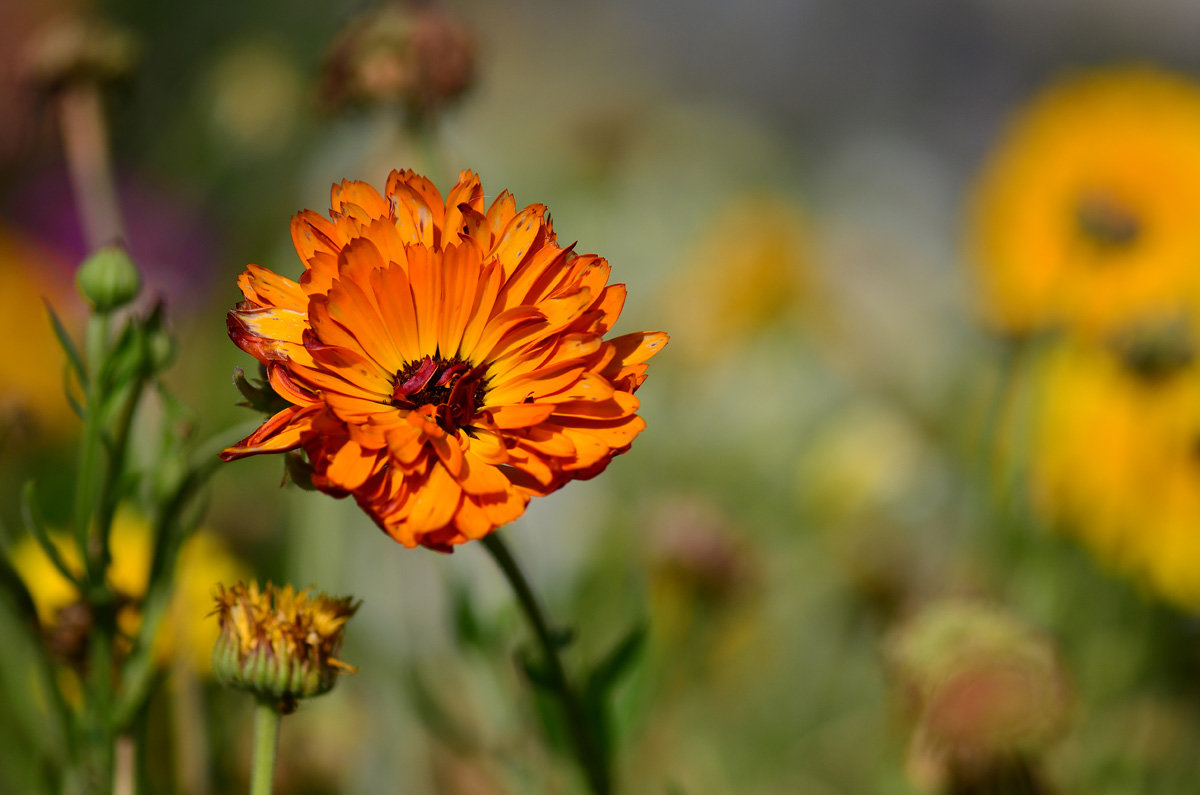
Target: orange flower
point(444, 360)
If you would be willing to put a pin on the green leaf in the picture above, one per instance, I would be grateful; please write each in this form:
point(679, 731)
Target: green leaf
point(604, 677)
point(534, 672)
point(609, 671)
point(35, 523)
point(436, 718)
point(74, 403)
point(64, 339)
point(12, 583)
point(467, 628)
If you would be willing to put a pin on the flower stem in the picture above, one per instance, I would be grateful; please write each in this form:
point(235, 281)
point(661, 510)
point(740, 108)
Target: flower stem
point(85, 139)
point(266, 743)
point(588, 749)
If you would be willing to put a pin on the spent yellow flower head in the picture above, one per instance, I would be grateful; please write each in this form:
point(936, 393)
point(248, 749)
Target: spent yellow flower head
point(184, 635)
point(1113, 459)
point(1085, 214)
point(279, 643)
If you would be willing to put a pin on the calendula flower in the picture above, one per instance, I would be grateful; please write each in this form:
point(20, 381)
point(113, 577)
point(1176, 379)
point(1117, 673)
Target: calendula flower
point(280, 643)
point(1084, 216)
point(184, 636)
point(444, 360)
point(1113, 458)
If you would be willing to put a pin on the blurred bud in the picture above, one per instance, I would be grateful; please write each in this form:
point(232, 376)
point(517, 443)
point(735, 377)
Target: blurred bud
point(1156, 349)
point(108, 279)
point(278, 643)
point(160, 348)
point(693, 545)
point(67, 637)
point(417, 56)
point(81, 50)
point(984, 688)
point(749, 273)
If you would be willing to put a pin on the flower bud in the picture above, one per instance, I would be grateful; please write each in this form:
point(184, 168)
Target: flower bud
point(278, 643)
point(108, 279)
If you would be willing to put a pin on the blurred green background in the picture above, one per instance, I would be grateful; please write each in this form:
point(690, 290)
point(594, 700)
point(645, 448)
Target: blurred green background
point(784, 188)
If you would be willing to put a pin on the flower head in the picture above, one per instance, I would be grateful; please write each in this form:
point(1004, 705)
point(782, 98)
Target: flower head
point(1113, 457)
point(278, 642)
point(1085, 214)
point(444, 360)
point(981, 684)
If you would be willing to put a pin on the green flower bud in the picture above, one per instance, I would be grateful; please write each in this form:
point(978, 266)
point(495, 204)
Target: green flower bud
point(108, 279)
point(278, 643)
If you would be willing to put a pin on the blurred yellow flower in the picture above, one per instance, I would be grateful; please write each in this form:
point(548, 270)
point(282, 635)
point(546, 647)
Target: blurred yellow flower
point(748, 272)
point(31, 373)
point(1085, 214)
point(1114, 460)
point(185, 635)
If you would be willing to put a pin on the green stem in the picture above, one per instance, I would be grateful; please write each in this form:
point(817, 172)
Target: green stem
point(89, 475)
point(587, 746)
point(266, 743)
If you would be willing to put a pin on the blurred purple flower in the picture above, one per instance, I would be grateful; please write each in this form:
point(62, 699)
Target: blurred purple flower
point(170, 236)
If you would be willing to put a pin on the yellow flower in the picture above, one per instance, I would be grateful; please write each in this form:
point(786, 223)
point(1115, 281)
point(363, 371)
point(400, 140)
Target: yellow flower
point(184, 634)
point(1085, 214)
point(278, 642)
point(1114, 461)
point(749, 271)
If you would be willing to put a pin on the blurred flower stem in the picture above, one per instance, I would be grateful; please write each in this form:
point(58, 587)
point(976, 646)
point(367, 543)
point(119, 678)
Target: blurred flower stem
point(586, 744)
point(266, 744)
point(85, 142)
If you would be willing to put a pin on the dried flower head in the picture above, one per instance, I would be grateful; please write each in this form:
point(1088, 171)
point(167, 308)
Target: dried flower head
point(982, 685)
point(444, 360)
point(280, 643)
point(77, 49)
point(415, 56)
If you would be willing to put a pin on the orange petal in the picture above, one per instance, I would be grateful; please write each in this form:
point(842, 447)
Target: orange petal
point(280, 432)
point(350, 466)
point(349, 196)
point(267, 288)
point(521, 415)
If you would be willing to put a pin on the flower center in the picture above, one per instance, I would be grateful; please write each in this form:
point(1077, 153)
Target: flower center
point(453, 386)
point(1105, 221)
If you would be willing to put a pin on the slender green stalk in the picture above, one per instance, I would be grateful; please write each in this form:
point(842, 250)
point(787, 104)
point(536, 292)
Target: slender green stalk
point(266, 743)
point(88, 477)
point(587, 747)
